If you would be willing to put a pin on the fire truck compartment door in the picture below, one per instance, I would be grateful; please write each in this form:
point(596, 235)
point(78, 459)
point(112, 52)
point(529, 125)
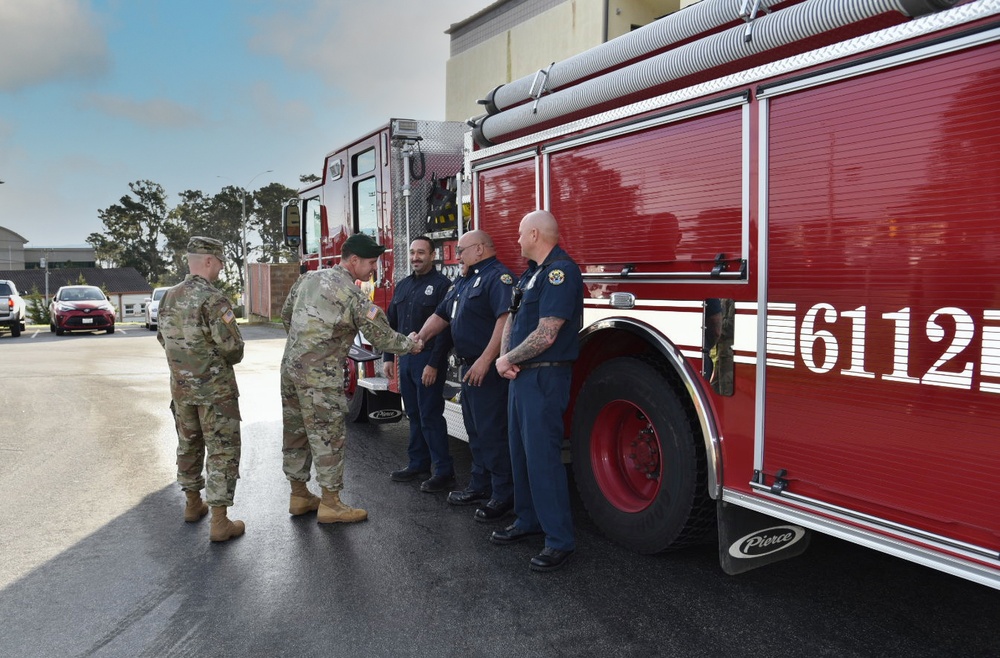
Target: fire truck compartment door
point(882, 380)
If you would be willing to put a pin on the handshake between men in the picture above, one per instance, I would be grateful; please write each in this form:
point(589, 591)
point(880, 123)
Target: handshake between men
point(418, 343)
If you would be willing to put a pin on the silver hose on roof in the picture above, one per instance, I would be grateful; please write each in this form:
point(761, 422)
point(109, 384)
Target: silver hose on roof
point(772, 31)
point(699, 18)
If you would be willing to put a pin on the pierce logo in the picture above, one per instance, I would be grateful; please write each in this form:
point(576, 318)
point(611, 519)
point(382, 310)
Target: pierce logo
point(766, 541)
point(385, 414)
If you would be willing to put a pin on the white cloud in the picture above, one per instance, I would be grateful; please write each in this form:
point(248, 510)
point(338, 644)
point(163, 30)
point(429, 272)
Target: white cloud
point(47, 40)
point(387, 56)
point(154, 113)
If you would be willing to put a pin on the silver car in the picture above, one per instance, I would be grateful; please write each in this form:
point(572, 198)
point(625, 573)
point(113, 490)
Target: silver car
point(153, 307)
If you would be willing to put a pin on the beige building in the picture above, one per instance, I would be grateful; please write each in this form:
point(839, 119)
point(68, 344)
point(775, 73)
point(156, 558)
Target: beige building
point(511, 39)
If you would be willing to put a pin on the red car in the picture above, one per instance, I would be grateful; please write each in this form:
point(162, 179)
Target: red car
point(81, 308)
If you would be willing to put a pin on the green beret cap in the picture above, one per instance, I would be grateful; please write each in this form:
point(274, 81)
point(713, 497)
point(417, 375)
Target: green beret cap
point(364, 246)
point(203, 245)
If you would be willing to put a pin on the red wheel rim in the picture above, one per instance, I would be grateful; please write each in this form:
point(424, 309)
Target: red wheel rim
point(625, 456)
point(350, 378)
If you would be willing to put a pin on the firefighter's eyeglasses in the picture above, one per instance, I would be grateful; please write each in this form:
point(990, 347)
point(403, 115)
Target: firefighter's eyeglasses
point(515, 299)
point(459, 250)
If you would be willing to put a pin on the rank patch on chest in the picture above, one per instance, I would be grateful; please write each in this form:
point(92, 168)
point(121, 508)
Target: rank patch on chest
point(506, 279)
point(556, 277)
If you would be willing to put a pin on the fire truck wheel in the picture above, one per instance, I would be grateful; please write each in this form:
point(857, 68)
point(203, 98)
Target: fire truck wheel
point(638, 461)
point(357, 409)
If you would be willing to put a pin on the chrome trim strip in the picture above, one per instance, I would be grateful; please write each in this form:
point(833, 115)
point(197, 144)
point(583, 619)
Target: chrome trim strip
point(762, 271)
point(650, 277)
point(918, 27)
point(933, 50)
point(654, 122)
point(879, 522)
point(499, 162)
point(745, 187)
point(954, 565)
point(709, 430)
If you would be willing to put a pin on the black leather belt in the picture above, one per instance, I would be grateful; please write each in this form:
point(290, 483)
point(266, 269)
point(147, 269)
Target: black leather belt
point(544, 364)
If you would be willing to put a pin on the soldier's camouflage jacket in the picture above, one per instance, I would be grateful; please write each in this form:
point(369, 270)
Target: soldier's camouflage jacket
point(197, 328)
point(322, 315)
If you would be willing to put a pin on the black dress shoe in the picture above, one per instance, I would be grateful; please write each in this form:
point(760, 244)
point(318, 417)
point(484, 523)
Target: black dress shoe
point(437, 483)
point(409, 473)
point(549, 559)
point(511, 534)
point(467, 497)
point(494, 510)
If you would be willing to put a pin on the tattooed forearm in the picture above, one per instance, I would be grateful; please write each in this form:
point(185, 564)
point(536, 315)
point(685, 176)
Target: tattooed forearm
point(505, 337)
point(537, 341)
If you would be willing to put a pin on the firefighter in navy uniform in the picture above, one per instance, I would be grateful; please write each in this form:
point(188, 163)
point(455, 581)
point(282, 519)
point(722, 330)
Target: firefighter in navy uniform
point(540, 343)
point(476, 309)
point(422, 376)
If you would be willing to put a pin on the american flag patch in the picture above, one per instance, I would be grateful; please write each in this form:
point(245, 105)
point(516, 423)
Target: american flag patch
point(372, 312)
point(228, 316)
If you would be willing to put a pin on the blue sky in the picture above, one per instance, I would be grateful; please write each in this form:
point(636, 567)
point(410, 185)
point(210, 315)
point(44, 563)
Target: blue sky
point(95, 94)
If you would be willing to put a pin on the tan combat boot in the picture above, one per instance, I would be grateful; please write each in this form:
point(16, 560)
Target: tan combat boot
point(196, 508)
point(222, 528)
point(302, 500)
point(331, 510)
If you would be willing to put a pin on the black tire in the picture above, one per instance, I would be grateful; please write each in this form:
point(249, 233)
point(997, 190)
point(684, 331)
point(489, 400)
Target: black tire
point(357, 398)
point(52, 328)
point(152, 327)
point(639, 460)
point(15, 329)
point(59, 332)
point(111, 329)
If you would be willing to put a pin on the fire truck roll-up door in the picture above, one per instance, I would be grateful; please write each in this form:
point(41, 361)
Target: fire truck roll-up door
point(881, 393)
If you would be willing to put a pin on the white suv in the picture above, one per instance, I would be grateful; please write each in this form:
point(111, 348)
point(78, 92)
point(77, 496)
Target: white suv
point(153, 307)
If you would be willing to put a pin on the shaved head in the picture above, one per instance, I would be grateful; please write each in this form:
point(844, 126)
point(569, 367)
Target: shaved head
point(537, 234)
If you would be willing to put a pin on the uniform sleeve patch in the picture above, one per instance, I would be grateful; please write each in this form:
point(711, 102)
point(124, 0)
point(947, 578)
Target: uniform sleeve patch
point(556, 277)
point(372, 312)
point(506, 279)
point(229, 317)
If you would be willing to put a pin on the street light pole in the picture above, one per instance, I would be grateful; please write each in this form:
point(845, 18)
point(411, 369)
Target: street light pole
point(243, 230)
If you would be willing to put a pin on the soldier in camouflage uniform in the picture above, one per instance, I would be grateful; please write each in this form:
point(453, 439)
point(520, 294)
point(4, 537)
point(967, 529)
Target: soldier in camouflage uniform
point(197, 328)
point(323, 313)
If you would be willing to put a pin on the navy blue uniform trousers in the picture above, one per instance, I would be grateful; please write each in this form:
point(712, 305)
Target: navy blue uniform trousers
point(538, 400)
point(484, 412)
point(425, 409)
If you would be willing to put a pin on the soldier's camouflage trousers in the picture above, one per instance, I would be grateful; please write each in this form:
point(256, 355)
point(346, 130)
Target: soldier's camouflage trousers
point(208, 436)
point(314, 433)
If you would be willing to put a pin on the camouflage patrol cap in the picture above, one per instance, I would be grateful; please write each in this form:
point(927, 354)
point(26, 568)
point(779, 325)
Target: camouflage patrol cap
point(202, 245)
point(364, 246)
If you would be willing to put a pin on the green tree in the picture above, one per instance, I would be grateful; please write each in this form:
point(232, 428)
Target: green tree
point(266, 220)
point(133, 230)
point(192, 216)
point(35, 308)
point(225, 218)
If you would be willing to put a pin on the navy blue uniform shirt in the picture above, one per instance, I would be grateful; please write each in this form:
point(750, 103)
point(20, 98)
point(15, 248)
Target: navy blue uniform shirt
point(552, 289)
point(412, 303)
point(473, 305)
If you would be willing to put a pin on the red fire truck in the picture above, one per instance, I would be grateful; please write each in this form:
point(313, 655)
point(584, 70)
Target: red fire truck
point(393, 183)
point(786, 226)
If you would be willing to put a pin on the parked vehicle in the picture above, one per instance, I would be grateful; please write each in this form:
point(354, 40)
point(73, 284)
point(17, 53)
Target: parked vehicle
point(153, 307)
point(81, 308)
point(11, 308)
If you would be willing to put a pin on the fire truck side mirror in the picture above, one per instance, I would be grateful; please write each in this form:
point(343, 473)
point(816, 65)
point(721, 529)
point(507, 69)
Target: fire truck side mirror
point(291, 224)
